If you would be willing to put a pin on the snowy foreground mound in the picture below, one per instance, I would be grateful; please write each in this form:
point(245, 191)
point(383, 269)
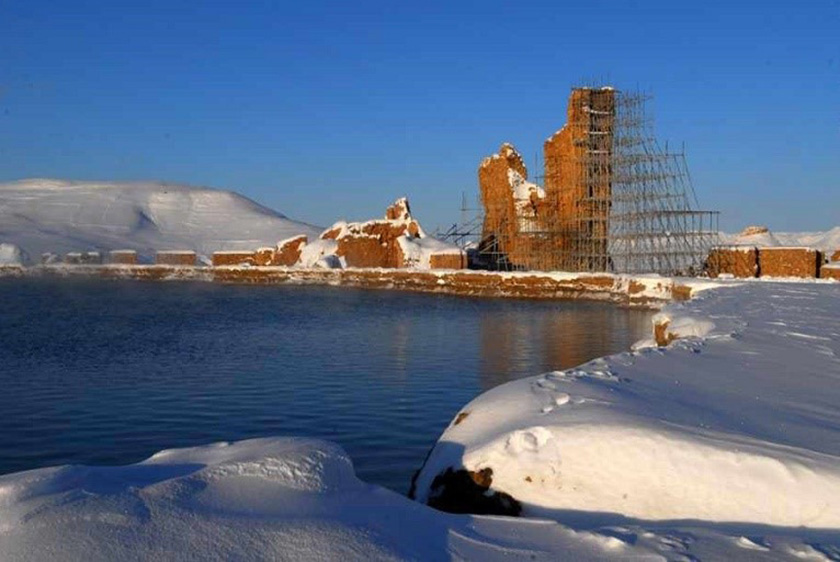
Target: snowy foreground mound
point(298, 499)
point(60, 216)
point(738, 428)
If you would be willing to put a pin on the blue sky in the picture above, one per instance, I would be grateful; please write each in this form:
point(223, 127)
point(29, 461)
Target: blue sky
point(326, 110)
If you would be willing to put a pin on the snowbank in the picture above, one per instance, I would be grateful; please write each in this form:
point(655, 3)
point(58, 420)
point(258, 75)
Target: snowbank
point(737, 422)
point(10, 255)
point(264, 499)
point(297, 499)
point(64, 216)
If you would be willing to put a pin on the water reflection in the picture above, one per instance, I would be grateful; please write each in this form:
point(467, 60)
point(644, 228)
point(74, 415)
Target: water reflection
point(549, 338)
point(110, 372)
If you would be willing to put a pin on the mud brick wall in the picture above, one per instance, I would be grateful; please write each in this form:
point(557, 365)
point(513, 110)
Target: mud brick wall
point(123, 257)
point(739, 262)
point(830, 272)
point(789, 262)
point(288, 253)
point(233, 258)
point(448, 261)
point(175, 258)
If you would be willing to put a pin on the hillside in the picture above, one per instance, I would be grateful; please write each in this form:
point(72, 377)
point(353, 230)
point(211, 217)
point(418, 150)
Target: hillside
point(41, 215)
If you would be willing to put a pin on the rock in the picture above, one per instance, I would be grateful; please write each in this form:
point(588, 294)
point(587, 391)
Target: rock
point(465, 491)
point(753, 230)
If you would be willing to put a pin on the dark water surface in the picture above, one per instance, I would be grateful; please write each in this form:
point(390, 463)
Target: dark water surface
point(104, 372)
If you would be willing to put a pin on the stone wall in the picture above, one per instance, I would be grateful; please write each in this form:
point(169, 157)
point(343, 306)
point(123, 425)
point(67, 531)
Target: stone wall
point(175, 258)
point(789, 262)
point(738, 261)
point(233, 258)
point(288, 251)
point(830, 271)
point(567, 226)
point(448, 261)
point(835, 256)
point(123, 257)
point(83, 258)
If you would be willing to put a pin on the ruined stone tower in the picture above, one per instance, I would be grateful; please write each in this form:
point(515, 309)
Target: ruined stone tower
point(564, 226)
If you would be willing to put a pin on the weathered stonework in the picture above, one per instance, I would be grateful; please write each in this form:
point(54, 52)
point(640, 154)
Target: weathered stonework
point(233, 258)
point(381, 243)
point(830, 271)
point(122, 257)
point(448, 261)
point(835, 256)
point(789, 262)
point(263, 256)
point(566, 224)
point(175, 258)
point(288, 252)
point(738, 261)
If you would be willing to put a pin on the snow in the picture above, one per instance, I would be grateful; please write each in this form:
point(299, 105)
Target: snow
point(417, 252)
point(827, 241)
point(724, 445)
point(10, 255)
point(299, 499)
point(58, 216)
point(263, 499)
point(737, 424)
point(318, 253)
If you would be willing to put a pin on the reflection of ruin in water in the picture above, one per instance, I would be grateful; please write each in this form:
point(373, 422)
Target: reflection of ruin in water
point(551, 339)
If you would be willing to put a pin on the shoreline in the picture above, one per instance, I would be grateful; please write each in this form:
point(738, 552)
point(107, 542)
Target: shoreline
point(650, 291)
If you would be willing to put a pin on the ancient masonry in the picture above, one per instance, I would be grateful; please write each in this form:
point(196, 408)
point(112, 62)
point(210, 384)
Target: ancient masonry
point(611, 199)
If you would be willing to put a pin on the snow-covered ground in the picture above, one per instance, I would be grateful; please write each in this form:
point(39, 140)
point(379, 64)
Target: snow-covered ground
point(737, 431)
point(41, 216)
point(722, 446)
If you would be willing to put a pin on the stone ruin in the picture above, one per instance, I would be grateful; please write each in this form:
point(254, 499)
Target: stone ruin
point(611, 200)
point(563, 225)
point(396, 241)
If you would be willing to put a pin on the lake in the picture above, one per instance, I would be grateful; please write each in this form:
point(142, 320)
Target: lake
point(109, 372)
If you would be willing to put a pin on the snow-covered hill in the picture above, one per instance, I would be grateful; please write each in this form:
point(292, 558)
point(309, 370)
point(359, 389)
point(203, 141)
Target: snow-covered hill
point(41, 215)
point(827, 241)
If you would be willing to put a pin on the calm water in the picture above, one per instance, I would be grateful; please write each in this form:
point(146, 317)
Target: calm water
point(102, 372)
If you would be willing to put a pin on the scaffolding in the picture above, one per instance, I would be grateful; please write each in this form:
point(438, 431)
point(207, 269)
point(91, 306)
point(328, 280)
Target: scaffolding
point(613, 201)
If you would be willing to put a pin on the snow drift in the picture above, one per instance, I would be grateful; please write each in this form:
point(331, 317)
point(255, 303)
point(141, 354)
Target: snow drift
point(738, 422)
point(56, 216)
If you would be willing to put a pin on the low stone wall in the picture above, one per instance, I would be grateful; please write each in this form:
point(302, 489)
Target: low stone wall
point(175, 258)
point(288, 252)
point(737, 261)
point(123, 257)
point(448, 261)
point(830, 271)
point(789, 262)
point(233, 258)
point(835, 256)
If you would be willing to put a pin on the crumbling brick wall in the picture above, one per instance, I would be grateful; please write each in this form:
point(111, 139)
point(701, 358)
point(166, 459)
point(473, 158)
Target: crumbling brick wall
point(175, 258)
point(123, 257)
point(789, 262)
point(738, 261)
point(233, 258)
point(568, 227)
point(830, 271)
point(288, 252)
point(448, 261)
